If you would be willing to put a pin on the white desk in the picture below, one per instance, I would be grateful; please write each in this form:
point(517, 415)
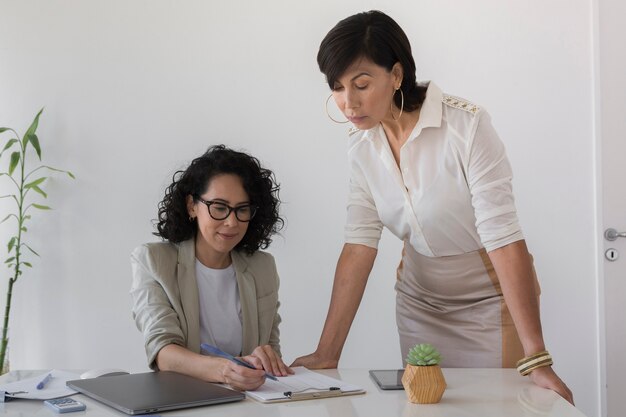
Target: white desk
point(470, 392)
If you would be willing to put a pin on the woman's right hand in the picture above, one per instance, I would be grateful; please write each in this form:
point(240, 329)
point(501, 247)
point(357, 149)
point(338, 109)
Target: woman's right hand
point(241, 378)
point(315, 361)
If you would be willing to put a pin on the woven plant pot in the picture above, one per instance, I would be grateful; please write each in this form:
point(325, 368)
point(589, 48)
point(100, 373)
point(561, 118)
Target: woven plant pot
point(424, 384)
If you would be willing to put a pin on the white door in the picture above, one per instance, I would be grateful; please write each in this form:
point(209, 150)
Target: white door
point(612, 124)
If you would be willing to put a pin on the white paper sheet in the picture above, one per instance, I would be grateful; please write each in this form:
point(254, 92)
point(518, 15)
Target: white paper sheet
point(55, 388)
point(302, 381)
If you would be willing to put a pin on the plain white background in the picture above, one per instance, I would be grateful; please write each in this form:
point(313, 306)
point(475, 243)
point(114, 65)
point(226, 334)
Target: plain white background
point(133, 90)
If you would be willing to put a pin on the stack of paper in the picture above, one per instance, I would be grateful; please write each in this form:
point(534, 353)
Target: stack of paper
point(54, 388)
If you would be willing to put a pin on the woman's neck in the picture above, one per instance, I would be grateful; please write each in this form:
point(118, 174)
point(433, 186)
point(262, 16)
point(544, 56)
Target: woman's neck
point(211, 258)
point(398, 131)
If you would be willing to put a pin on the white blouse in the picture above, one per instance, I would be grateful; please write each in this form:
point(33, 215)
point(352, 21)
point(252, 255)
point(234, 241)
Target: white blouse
point(452, 192)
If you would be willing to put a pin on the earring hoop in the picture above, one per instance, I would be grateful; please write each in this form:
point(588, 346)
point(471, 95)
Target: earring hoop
point(401, 104)
point(328, 114)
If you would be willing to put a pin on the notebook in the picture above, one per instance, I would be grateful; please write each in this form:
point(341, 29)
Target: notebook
point(152, 392)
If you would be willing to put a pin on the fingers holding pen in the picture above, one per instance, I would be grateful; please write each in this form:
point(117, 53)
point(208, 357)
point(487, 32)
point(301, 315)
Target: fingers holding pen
point(241, 377)
point(250, 371)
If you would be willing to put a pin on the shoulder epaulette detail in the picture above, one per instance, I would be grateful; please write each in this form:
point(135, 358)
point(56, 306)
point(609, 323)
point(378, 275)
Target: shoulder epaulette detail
point(461, 104)
point(352, 130)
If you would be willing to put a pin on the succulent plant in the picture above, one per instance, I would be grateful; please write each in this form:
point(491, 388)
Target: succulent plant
point(423, 354)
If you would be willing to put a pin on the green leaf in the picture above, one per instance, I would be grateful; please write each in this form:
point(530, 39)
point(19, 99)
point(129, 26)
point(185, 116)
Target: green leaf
point(39, 190)
point(15, 158)
point(36, 182)
point(35, 141)
point(57, 170)
point(33, 127)
point(7, 217)
point(40, 207)
point(12, 258)
point(24, 229)
point(4, 129)
point(30, 249)
point(11, 243)
point(10, 143)
point(27, 264)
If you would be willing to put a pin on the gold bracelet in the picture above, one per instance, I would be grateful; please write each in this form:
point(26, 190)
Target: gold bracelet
point(531, 357)
point(532, 362)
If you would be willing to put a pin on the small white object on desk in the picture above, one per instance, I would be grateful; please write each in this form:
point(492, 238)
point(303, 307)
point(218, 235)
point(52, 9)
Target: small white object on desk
point(97, 373)
point(65, 405)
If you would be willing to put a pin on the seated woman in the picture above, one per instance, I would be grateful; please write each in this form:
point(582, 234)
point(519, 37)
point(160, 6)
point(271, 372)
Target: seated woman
point(208, 282)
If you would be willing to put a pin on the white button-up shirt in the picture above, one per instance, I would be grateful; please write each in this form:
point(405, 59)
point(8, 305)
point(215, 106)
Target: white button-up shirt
point(452, 192)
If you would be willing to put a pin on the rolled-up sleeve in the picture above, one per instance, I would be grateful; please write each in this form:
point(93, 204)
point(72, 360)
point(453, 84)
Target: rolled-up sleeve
point(363, 224)
point(152, 311)
point(490, 182)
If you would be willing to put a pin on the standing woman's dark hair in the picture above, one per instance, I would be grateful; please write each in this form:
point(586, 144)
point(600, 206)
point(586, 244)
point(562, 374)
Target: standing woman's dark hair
point(375, 36)
point(259, 183)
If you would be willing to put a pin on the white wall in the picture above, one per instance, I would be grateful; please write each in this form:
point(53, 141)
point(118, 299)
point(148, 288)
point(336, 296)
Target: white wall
point(133, 90)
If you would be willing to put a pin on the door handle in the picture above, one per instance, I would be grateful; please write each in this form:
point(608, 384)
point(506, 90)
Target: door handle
point(612, 234)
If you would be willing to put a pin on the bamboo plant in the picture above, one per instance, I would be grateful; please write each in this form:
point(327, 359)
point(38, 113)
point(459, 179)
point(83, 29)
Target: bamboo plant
point(24, 182)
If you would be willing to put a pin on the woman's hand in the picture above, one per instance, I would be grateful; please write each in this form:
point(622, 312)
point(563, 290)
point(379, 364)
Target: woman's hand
point(265, 357)
point(315, 361)
point(545, 377)
point(240, 377)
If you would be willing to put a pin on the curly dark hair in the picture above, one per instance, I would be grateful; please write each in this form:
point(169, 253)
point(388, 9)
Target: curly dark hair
point(259, 183)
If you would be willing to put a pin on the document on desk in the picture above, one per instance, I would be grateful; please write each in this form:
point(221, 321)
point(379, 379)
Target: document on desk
point(52, 386)
point(303, 385)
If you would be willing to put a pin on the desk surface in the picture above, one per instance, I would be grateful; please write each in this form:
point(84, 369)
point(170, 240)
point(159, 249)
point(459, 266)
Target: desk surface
point(470, 393)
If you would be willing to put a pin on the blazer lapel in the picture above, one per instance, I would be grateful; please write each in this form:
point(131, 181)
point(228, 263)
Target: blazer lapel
point(247, 296)
point(189, 292)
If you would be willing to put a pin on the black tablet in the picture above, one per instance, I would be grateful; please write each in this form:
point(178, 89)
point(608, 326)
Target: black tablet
point(388, 378)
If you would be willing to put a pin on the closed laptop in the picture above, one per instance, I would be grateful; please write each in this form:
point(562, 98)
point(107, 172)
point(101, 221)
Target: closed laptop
point(152, 392)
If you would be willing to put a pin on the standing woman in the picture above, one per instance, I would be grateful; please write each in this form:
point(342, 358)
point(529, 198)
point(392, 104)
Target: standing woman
point(208, 282)
point(430, 168)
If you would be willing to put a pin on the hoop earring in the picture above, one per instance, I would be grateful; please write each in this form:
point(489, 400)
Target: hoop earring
point(401, 104)
point(328, 114)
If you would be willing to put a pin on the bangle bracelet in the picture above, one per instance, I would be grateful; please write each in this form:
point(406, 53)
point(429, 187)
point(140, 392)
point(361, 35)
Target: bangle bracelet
point(531, 357)
point(532, 362)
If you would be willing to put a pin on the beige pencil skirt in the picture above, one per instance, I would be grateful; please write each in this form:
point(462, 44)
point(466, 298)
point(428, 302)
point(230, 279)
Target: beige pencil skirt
point(456, 304)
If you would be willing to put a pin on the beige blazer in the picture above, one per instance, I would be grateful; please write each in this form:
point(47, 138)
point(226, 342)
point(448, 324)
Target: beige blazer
point(165, 297)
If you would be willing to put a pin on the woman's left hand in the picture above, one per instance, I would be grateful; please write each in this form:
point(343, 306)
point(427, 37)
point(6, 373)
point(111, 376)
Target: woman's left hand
point(545, 377)
point(265, 357)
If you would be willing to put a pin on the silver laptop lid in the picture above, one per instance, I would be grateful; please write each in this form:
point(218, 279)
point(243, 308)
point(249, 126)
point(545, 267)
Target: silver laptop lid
point(152, 392)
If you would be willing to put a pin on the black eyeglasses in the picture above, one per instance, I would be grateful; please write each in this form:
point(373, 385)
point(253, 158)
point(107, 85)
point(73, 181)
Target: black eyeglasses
point(221, 211)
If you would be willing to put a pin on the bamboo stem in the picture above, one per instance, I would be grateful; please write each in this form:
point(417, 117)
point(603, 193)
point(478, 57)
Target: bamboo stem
point(4, 343)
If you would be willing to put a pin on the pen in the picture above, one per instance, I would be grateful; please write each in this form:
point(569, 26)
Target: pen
point(44, 381)
point(217, 352)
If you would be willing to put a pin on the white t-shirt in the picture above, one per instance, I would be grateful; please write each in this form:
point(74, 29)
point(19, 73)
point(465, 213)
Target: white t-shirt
point(220, 308)
point(452, 193)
